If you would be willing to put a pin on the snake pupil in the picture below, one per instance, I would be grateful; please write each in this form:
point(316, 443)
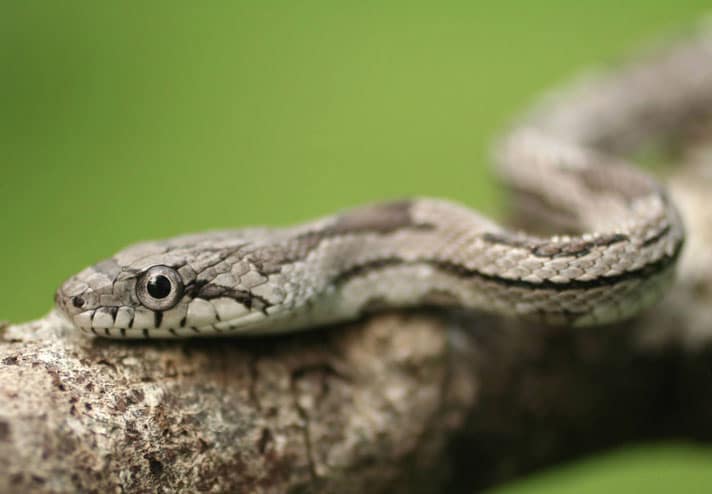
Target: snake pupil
point(159, 287)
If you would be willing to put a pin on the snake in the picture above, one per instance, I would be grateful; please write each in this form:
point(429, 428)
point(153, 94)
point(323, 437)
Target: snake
point(599, 242)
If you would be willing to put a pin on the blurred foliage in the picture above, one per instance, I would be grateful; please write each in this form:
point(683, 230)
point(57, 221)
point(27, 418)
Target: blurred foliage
point(125, 121)
point(658, 470)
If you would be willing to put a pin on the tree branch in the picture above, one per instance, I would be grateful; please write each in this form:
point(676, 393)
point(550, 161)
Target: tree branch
point(366, 407)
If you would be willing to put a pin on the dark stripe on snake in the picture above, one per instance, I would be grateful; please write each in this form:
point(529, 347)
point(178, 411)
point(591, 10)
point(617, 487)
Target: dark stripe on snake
point(363, 268)
point(642, 273)
point(662, 233)
point(372, 219)
point(375, 219)
point(157, 318)
point(245, 297)
point(378, 218)
point(553, 250)
point(112, 310)
point(577, 249)
point(462, 272)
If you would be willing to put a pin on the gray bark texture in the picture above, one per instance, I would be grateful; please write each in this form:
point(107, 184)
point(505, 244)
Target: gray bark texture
point(363, 408)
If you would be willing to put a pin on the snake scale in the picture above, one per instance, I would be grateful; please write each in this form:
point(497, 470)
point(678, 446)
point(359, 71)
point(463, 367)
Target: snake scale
point(618, 241)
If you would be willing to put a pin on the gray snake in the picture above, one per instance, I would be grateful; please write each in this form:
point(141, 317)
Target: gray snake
point(608, 242)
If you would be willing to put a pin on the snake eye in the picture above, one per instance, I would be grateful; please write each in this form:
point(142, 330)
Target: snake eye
point(159, 288)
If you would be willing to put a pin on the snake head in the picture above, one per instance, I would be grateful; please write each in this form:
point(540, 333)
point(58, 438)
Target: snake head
point(115, 299)
point(179, 287)
point(111, 300)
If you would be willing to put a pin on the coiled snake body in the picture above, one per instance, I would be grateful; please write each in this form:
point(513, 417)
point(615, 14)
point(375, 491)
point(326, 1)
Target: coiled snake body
point(622, 235)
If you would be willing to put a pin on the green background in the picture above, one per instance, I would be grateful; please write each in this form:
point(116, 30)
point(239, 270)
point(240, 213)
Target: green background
point(129, 120)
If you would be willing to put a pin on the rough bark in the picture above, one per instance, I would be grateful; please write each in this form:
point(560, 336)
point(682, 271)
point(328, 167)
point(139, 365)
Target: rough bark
point(367, 407)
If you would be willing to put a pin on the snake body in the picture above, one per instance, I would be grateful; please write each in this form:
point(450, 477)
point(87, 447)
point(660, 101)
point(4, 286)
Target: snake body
point(615, 254)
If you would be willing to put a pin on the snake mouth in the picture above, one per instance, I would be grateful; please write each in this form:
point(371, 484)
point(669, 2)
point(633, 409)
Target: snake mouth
point(90, 323)
point(190, 318)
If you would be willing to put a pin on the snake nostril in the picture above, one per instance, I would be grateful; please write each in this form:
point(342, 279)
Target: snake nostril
point(78, 302)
